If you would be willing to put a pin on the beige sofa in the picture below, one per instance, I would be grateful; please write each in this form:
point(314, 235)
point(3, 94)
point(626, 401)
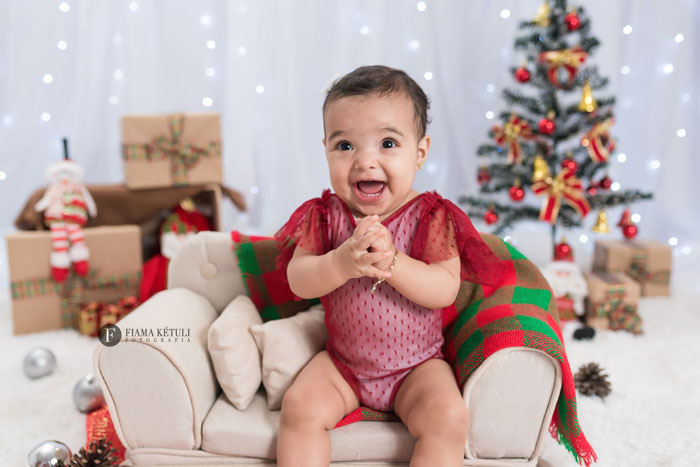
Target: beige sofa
point(168, 408)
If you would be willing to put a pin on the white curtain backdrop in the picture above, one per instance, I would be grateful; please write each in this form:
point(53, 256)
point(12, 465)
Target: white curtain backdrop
point(71, 69)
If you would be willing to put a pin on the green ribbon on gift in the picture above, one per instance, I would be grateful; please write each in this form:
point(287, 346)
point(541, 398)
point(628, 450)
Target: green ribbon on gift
point(626, 318)
point(620, 315)
point(71, 290)
point(613, 301)
point(638, 271)
point(182, 156)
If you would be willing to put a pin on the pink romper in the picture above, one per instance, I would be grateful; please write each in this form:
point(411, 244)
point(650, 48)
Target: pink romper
point(375, 340)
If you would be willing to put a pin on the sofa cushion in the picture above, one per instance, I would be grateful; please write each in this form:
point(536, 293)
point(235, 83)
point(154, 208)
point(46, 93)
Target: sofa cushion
point(287, 345)
point(253, 433)
point(234, 353)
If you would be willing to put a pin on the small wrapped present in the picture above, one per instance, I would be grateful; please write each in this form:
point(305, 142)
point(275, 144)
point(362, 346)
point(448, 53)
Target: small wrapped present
point(565, 306)
point(612, 302)
point(92, 316)
point(646, 261)
point(39, 303)
point(171, 150)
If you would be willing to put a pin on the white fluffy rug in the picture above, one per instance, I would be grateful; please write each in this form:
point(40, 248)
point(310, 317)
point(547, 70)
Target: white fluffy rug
point(651, 418)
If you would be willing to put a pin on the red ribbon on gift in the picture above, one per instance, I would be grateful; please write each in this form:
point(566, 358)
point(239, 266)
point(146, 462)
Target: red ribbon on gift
point(564, 185)
point(515, 129)
point(598, 141)
point(570, 59)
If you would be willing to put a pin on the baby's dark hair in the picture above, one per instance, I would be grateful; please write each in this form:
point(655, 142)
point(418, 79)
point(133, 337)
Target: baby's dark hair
point(382, 80)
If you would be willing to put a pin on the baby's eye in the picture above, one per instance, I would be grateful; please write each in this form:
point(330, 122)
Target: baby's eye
point(388, 144)
point(344, 146)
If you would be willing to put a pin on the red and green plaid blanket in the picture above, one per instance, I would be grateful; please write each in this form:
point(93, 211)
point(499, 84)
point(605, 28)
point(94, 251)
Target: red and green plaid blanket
point(521, 312)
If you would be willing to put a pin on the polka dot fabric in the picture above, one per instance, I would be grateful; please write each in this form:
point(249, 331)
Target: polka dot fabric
point(376, 339)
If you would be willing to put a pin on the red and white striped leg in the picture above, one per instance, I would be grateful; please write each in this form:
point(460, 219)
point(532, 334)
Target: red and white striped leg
point(60, 261)
point(79, 253)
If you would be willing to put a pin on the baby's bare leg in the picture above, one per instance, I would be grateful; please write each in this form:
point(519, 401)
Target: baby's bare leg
point(429, 403)
point(317, 400)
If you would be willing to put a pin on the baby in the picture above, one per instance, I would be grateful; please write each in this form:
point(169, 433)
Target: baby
point(385, 260)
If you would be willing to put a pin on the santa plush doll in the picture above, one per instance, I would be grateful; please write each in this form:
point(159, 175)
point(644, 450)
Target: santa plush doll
point(567, 282)
point(183, 223)
point(66, 205)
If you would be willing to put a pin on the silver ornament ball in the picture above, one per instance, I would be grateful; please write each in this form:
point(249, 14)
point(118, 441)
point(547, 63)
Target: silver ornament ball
point(48, 453)
point(39, 362)
point(87, 394)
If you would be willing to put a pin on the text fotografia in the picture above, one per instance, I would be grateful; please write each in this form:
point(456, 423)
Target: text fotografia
point(165, 334)
point(110, 335)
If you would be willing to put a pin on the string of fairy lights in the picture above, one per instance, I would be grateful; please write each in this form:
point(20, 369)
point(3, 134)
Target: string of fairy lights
point(412, 43)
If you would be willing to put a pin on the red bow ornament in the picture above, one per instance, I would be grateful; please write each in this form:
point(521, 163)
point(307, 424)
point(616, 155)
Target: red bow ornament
point(598, 141)
point(570, 59)
point(564, 185)
point(510, 135)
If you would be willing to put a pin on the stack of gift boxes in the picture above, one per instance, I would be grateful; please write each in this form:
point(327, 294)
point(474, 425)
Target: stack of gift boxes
point(624, 271)
point(167, 158)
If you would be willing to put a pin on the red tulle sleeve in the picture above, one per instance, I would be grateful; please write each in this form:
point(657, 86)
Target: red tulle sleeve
point(445, 231)
point(306, 228)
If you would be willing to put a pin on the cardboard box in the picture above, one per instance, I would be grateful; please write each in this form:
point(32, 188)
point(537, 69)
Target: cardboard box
point(171, 150)
point(646, 261)
point(612, 301)
point(39, 303)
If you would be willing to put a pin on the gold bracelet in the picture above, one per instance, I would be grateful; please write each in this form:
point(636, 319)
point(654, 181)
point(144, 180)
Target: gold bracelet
point(391, 269)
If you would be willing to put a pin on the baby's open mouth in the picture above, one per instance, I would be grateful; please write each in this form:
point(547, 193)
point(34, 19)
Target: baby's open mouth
point(370, 188)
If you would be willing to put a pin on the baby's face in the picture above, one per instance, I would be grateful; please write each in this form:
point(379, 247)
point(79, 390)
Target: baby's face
point(373, 151)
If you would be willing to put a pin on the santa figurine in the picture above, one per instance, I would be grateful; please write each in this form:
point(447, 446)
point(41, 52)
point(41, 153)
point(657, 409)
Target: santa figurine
point(181, 224)
point(66, 205)
point(567, 282)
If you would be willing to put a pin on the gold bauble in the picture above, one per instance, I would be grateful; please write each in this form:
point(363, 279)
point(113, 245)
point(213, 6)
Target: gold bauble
point(601, 225)
point(587, 102)
point(540, 169)
point(542, 16)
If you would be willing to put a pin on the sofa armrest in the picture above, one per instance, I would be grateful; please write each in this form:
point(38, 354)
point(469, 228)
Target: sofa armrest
point(511, 398)
point(206, 264)
point(159, 389)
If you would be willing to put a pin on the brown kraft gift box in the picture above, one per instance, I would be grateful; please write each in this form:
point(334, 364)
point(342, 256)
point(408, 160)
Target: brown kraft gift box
point(610, 296)
point(171, 150)
point(646, 261)
point(39, 303)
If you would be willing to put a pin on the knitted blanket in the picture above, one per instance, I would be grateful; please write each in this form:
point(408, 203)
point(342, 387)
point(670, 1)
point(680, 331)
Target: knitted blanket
point(521, 312)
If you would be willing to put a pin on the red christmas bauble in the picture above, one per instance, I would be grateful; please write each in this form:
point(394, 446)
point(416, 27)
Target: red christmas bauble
point(546, 126)
point(490, 217)
point(569, 164)
point(562, 252)
point(483, 176)
point(516, 193)
point(605, 183)
point(629, 231)
point(592, 190)
point(572, 21)
point(522, 74)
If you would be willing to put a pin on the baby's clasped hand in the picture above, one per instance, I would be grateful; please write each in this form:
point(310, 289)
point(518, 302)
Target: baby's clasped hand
point(352, 257)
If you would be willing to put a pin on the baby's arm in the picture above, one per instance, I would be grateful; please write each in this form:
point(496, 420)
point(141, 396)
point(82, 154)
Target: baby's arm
point(431, 285)
point(312, 276)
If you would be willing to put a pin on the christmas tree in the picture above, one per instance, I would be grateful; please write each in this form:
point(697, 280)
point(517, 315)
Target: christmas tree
point(555, 137)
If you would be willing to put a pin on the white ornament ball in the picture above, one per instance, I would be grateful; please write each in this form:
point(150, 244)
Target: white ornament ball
point(87, 394)
point(48, 454)
point(39, 362)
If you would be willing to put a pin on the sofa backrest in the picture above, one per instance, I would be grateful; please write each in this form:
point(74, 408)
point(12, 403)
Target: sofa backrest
point(206, 264)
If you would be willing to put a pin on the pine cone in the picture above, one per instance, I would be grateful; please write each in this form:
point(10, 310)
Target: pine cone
point(99, 454)
point(591, 381)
